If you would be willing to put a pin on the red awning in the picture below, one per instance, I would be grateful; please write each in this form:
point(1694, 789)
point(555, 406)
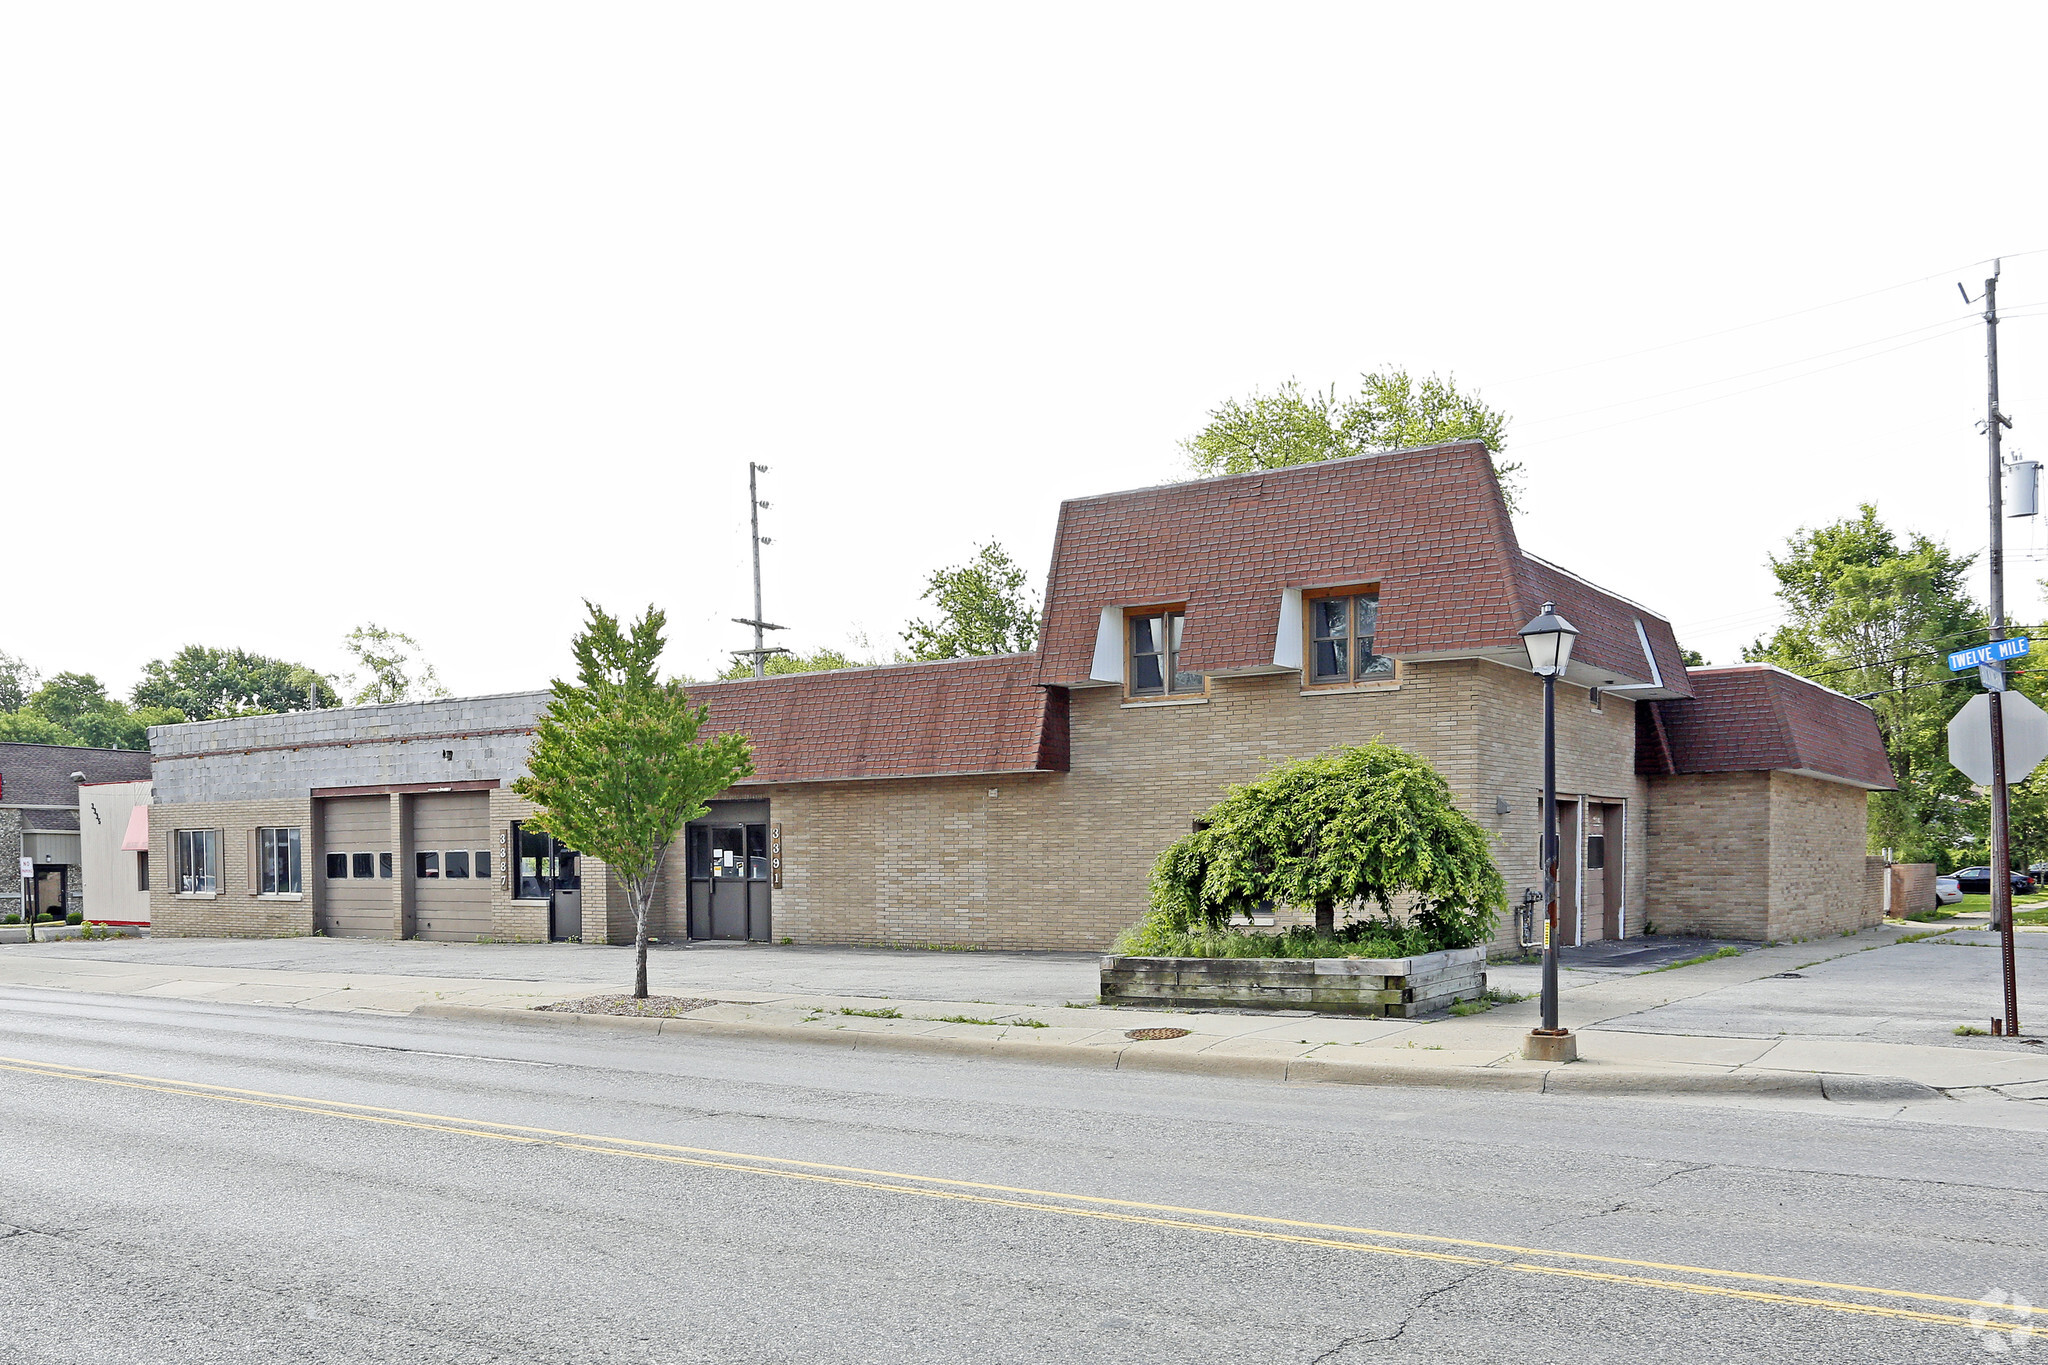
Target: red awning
point(137, 840)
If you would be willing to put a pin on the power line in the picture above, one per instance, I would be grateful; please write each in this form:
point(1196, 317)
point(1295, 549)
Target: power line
point(1967, 321)
point(1754, 388)
point(1765, 322)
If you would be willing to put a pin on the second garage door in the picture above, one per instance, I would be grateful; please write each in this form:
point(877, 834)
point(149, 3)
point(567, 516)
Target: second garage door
point(452, 872)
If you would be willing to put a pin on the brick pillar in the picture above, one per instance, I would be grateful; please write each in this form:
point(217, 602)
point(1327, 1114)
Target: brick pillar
point(402, 920)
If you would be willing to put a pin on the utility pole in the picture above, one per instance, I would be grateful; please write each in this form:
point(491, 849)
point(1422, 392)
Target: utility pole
point(2001, 833)
point(761, 650)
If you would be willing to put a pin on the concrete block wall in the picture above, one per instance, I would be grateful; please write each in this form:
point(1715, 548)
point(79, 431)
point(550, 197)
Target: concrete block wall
point(233, 911)
point(253, 758)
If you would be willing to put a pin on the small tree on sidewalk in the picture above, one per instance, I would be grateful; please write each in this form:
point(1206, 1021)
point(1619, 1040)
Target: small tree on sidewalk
point(617, 768)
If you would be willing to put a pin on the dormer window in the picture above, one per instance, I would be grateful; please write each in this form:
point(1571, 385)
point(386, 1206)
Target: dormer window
point(1154, 640)
point(1341, 629)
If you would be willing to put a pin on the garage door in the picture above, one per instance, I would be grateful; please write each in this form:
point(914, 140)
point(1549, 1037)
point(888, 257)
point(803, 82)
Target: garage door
point(452, 866)
point(356, 897)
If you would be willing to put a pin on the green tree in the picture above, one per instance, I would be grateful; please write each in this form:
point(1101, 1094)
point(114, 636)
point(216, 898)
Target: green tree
point(1389, 412)
point(392, 670)
point(26, 727)
point(17, 681)
point(77, 710)
point(819, 660)
point(617, 768)
point(1869, 613)
point(1367, 825)
point(984, 608)
point(203, 683)
point(1692, 658)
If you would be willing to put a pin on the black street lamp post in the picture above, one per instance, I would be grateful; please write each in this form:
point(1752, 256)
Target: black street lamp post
point(1549, 639)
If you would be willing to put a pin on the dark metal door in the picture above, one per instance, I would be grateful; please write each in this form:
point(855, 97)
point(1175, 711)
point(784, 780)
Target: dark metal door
point(567, 913)
point(728, 867)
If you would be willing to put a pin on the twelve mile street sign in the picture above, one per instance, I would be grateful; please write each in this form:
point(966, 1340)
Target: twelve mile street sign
point(1996, 652)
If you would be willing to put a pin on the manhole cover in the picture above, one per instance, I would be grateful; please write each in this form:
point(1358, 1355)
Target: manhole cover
point(1147, 1035)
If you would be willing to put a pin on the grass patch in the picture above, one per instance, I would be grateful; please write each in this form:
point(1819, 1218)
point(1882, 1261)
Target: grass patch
point(1915, 938)
point(1971, 1031)
point(1696, 961)
point(992, 1023)
point(1483, 1003)
point(871, 1014)
point(2030, 916)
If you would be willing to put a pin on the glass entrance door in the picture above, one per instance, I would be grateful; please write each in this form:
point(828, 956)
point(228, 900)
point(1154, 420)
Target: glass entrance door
point(545, 868)
point(729, 881)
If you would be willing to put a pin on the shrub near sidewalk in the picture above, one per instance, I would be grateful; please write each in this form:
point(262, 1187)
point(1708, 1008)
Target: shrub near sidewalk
point(1365, 827)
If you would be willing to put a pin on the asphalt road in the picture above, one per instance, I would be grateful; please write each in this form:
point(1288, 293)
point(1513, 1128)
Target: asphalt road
point(201, 1182)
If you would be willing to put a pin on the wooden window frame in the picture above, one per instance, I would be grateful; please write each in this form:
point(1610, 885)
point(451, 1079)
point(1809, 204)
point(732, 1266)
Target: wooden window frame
point(1351, 682)
point(1168, 692)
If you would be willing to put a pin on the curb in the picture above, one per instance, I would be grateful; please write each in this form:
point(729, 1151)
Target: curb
point(1569, 1079)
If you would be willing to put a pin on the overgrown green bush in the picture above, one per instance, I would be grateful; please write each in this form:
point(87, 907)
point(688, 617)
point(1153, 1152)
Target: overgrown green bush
point(1368, 828)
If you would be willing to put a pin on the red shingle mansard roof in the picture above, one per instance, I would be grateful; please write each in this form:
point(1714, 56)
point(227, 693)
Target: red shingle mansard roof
point(958, 716)
point(1752, 716)
point(1427, 525)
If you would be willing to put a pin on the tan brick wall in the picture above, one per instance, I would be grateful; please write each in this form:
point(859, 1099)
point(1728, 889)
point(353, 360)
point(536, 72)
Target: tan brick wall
point(1759, 856)
point(1061, 860)
point(233, 912)
point(1709, 854)
point(526, 921)
point(1820, 882)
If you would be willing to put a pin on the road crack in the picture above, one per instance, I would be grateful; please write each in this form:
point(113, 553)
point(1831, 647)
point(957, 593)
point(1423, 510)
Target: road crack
point(1422, 1301)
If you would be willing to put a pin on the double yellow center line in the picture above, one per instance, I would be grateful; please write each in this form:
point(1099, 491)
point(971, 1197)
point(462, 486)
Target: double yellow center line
point(1867, 1300)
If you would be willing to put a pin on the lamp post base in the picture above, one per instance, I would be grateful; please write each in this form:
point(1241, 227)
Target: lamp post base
point(1545, 1045)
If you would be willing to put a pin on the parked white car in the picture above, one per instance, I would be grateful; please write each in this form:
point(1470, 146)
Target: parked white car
point(1946, 892)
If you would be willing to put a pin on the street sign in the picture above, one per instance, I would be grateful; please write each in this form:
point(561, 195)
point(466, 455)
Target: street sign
point(28, 869)
point(2026, 737)
point(1995, 652)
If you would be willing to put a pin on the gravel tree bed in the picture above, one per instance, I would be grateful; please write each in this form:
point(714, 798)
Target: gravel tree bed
point(653, 1007)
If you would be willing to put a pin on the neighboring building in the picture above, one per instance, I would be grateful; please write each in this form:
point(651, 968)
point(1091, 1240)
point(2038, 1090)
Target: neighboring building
point(39, 807)
point(1194, 635)
point(113, 839)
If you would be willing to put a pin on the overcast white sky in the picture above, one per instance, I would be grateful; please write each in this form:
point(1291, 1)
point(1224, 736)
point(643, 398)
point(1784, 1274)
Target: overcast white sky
point(449, 316)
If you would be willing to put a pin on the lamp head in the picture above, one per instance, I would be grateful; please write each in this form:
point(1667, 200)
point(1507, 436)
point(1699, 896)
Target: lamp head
point(1549, 640)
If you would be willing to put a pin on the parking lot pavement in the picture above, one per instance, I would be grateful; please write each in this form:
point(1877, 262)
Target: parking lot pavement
point(1904, 992)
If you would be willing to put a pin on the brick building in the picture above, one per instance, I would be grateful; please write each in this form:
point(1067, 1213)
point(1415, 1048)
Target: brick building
point(39, 813)
point(1194, 635)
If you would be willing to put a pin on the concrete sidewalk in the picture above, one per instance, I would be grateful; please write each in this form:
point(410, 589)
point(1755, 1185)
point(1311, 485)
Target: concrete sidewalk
point(1698, 1029)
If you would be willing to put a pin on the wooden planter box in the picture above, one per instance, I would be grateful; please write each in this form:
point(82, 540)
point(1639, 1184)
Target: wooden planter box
point(1393, 988)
